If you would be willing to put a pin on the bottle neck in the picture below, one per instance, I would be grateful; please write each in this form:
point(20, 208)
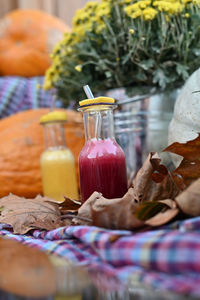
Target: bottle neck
point(54, 136)
point(98, 124)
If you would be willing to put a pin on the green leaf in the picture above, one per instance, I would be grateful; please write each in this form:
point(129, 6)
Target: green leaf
point(160, 78)
point(195, 19)
point(141, 76)
point(148, 210)
point(108, 74)
point(182, 70)
point(147, 64)
point(125, 58)
point(155, 55)
point(156, 49)
point(196, 51)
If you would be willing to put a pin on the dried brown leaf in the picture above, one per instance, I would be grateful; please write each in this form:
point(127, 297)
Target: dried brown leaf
point(187, 172)
point(69, 204)
point(189, 200)
point(111, 213)
point(85, 210)
point(26, 214)
point(189, 169)
point(149, 209)
point(162, 217)
point(165, 216)
point(153, 181)
point(189, 150)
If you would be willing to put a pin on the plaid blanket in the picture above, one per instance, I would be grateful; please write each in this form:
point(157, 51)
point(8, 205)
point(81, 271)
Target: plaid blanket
point(166, 259)
point(19, 93)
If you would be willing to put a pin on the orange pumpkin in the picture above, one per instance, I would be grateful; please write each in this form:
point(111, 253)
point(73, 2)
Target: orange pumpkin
point(21, 144)
point(26, 40)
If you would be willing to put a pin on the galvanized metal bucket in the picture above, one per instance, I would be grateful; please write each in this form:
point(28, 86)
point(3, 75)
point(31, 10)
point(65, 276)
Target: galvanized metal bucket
point(141, 124)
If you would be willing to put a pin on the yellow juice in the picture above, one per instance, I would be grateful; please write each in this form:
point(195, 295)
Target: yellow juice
point(75, 297)
point(58, 174)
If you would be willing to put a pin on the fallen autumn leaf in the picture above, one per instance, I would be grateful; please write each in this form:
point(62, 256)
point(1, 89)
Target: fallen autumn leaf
point(26, 214)
point(153, 181)
point(189, 200)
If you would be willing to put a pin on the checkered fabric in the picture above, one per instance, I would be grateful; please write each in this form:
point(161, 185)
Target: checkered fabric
point(166, 259)
point(19, 93)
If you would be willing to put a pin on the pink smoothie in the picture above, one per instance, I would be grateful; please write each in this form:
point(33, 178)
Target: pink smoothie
point(102, 168)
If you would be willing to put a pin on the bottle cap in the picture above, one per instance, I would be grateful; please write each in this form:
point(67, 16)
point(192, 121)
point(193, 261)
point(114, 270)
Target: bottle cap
point(97, 101)
point(54, 116)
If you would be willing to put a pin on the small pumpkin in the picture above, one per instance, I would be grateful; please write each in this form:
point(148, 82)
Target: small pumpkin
point(26, 39)
point(22, 143)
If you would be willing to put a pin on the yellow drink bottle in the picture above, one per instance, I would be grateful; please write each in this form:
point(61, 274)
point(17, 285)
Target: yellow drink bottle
point(57, 161)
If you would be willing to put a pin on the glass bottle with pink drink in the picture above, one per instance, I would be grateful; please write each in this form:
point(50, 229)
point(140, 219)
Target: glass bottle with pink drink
point(102, 165)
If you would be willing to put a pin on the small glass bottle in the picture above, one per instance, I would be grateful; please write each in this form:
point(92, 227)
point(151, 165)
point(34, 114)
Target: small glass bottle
point(102, 165)
point(57, 161)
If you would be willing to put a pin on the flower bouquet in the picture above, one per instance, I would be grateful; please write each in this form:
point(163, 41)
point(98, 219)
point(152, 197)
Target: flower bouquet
point(127, 43)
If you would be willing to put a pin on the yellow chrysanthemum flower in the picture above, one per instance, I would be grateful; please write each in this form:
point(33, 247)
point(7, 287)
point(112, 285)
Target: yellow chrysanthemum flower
point(186, 1)
point(91, 5)
point(176, 8)
point(162, 5)
point(78, 68)
point(170, 7)
point(48, 82)
point(167, 18)
point(126, 24)
point(149, 13)
point(68, 39)
point(82, 20)
point(131, 31)
point(56, 49)
point(80, 30)
point(137, 14)
point(67, 51)
point(100, 26)
point(196, 2)
point(103, 9)
point(131, 12)
point(57, 60)
point(82, 16)
point(143, 4)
